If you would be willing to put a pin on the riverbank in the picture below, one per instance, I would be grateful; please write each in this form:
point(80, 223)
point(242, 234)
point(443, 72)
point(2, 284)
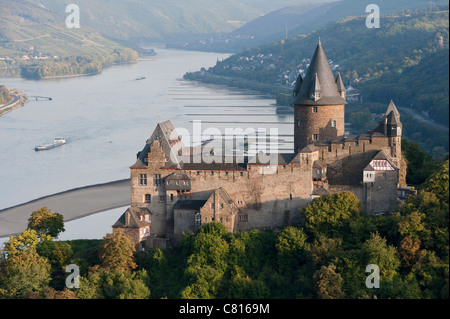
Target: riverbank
point(72, 204)
point(19, 100)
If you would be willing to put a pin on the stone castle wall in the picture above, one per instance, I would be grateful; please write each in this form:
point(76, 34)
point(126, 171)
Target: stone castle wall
point(307, 123)
point(269, 196)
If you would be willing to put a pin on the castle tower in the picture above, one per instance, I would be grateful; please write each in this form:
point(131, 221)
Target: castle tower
point(393, 130)
point(319, 103)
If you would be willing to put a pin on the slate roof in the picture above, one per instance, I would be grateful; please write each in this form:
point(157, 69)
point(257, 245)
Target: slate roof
point(381, 155)
point(317, 191)
point(340, 83)
point(325, 81)
point(393, 108)
point(167, 135)
point(178, 177)
point(190, 204)
point(134, 221)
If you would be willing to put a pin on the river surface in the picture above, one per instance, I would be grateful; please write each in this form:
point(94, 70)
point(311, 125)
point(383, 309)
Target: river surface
point(107, 118)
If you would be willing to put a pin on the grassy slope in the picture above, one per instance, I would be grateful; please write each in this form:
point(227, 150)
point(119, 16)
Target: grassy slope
point(25, 24)
point(157, 19)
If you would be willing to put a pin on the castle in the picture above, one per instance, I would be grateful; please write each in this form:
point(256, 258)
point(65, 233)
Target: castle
point(173, 193)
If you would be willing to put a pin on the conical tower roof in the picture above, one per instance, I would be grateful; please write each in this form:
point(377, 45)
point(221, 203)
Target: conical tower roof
point(298, 84)
point(339, 83)
point(329, 94)
point(393, 109)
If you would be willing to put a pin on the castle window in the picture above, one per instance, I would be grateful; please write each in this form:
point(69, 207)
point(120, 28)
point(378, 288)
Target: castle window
point(333, 123)
point(314, 109)
point(242, 173)
point(212, 205)
point(384, 175)
point(157, 179)
point(162, 199)
point(198, 219)
point(357, 143)
point(298, 123)
point(315, 137)
point(148, 198)
point(243, 217)
point(226, 173)
point(221, 205)
point(290, 196)
point(142, 179)
point(171, 197)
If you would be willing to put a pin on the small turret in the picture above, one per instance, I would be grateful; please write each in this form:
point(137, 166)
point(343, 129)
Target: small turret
point(393, 126)
point(298, 84)
point(316, 90)
point(340, 85)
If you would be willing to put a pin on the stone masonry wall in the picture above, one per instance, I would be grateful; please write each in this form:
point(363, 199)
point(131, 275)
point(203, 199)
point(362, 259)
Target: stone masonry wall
point(307, 123)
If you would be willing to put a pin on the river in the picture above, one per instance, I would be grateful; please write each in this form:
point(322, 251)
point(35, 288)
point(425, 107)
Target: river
point(107, 118)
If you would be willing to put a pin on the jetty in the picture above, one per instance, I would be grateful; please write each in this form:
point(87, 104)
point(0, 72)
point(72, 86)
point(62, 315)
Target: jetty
point(41, 97)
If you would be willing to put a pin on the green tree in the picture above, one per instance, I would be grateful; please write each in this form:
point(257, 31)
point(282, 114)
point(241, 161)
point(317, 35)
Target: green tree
point(325, 250)
point(438, 182)
point(119, 285)
point(116, 252)
point(243, 287)
point(46, 223)
point(103, 284)
point(376, 251)
point(290, 244)
point(328, 283)
point(23, 271)
point(326, 215)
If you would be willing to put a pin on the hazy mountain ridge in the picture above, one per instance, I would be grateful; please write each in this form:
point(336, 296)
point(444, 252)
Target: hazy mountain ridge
point(159, 19)
point(297, 20)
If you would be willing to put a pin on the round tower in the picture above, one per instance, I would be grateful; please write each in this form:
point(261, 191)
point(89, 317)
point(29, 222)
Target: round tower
point(319, 103)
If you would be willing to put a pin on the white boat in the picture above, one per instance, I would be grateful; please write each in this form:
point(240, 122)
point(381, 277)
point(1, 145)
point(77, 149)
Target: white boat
point(58, 141)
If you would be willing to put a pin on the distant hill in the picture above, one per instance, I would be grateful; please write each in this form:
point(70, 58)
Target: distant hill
point(266, 6)
point(288, 18)
point(35, 42)
point(157, 20)
point(25, 25)
point(298, 19)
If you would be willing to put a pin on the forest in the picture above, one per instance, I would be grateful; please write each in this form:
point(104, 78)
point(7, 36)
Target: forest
point(323, 258)
point(76, 65)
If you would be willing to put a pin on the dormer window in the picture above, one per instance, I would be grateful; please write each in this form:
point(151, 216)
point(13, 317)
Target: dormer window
point(315, 96)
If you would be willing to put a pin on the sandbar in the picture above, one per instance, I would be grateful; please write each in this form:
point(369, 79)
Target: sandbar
point(72, 204)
